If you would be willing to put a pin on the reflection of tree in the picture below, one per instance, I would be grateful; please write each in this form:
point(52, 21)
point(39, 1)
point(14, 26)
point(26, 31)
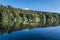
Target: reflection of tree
point(13, 19)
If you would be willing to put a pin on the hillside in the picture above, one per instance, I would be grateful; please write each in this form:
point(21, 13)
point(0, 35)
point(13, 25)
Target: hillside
point(12, 19)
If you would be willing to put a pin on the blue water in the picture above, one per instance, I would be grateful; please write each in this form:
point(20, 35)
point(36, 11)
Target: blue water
point(48, 33)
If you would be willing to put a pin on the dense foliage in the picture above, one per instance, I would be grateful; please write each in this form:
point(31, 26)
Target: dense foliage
point(16, 19)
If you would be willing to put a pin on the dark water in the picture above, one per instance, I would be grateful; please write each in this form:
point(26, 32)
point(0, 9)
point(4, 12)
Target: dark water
point(48, 33)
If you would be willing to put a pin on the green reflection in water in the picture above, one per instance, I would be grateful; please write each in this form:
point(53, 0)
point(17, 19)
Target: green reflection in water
point(13, 19)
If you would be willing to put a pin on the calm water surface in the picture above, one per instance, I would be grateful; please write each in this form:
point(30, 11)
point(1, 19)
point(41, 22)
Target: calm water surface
point(48, 33)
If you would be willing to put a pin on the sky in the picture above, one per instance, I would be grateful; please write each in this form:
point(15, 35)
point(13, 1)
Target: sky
point(40, 5)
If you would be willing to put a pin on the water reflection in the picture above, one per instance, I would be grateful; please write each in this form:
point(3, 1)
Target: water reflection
point(48, 33)
point(21, 27)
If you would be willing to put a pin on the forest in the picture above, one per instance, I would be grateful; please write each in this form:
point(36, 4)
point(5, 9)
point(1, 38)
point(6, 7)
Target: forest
point(13, 19)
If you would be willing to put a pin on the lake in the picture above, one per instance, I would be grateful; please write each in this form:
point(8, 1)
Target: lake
point(48, 33)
